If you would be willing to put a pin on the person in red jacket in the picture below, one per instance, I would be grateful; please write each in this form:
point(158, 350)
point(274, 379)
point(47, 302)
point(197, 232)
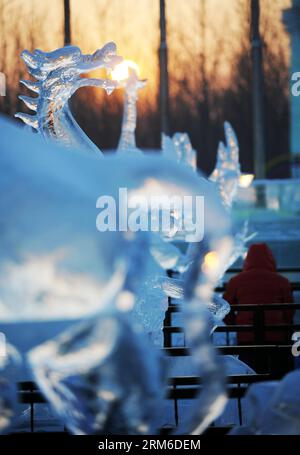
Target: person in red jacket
point(259, 283)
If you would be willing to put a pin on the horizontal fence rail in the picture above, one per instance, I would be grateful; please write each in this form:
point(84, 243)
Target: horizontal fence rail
point(239, 328)
point(293, 269)
point(231, 379)
point(295, 285)
point(176, 308)
point(178, 388)
point(231, 350)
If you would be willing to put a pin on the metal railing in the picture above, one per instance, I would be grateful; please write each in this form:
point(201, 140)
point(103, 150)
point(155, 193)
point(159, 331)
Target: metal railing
point(266, 355)
point(188, 387)
point(178, 388)
point(259, 328)
point(258, 323)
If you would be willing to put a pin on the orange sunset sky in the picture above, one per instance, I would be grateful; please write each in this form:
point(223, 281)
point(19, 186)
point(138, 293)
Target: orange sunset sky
point(133, 25)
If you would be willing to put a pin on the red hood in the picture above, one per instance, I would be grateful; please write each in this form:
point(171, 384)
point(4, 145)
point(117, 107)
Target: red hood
point(260, 256)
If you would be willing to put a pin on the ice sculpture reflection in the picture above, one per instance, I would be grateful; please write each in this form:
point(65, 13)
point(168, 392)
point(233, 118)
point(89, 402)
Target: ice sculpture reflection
point(70, 183)
point(57, 77)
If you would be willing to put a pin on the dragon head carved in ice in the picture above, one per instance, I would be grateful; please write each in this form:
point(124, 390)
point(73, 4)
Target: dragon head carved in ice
point(57, 77)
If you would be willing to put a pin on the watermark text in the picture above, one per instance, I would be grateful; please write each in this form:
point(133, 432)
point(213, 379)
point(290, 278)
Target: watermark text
point(164, 214)
point(295, 87)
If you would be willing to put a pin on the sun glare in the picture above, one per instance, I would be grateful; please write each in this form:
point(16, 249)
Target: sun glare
point(246, 180)
point(121, 71)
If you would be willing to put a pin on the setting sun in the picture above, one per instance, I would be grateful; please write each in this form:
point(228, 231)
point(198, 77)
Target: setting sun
point(121, 71)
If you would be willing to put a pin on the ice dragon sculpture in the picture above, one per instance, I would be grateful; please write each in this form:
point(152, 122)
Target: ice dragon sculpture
point(57, 77)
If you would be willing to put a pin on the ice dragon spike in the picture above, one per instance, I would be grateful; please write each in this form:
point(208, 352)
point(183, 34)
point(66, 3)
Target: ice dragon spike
point(31, 85)
point(30, 120)
point(31, 103)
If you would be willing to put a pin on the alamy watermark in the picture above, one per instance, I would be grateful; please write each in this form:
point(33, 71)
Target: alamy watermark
point(156, 213)
point(296, 345)
point(295, 87)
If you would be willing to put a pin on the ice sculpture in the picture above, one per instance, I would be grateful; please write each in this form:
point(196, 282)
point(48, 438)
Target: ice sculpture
point(151, 302)
point(132, 84)
point(241, 239)
point(179, 148)
point(63, 186)
point(198, 292)
point(226, 176)
point(163, 248)
point(273, 408)
point(227, 171)
point(203, 264)
point(57, 77)
point(100, 369)
point(9, 364)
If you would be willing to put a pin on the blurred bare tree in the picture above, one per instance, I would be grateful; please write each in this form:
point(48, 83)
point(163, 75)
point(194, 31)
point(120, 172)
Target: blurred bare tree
point(209, 70)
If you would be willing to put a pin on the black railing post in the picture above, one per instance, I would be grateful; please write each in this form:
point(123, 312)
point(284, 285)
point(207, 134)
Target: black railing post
point(176, 409)
point(168, 320)
point(31, 411)
point(167, 323)
point(259, 337)
point(240, 407)
point(259, 326)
